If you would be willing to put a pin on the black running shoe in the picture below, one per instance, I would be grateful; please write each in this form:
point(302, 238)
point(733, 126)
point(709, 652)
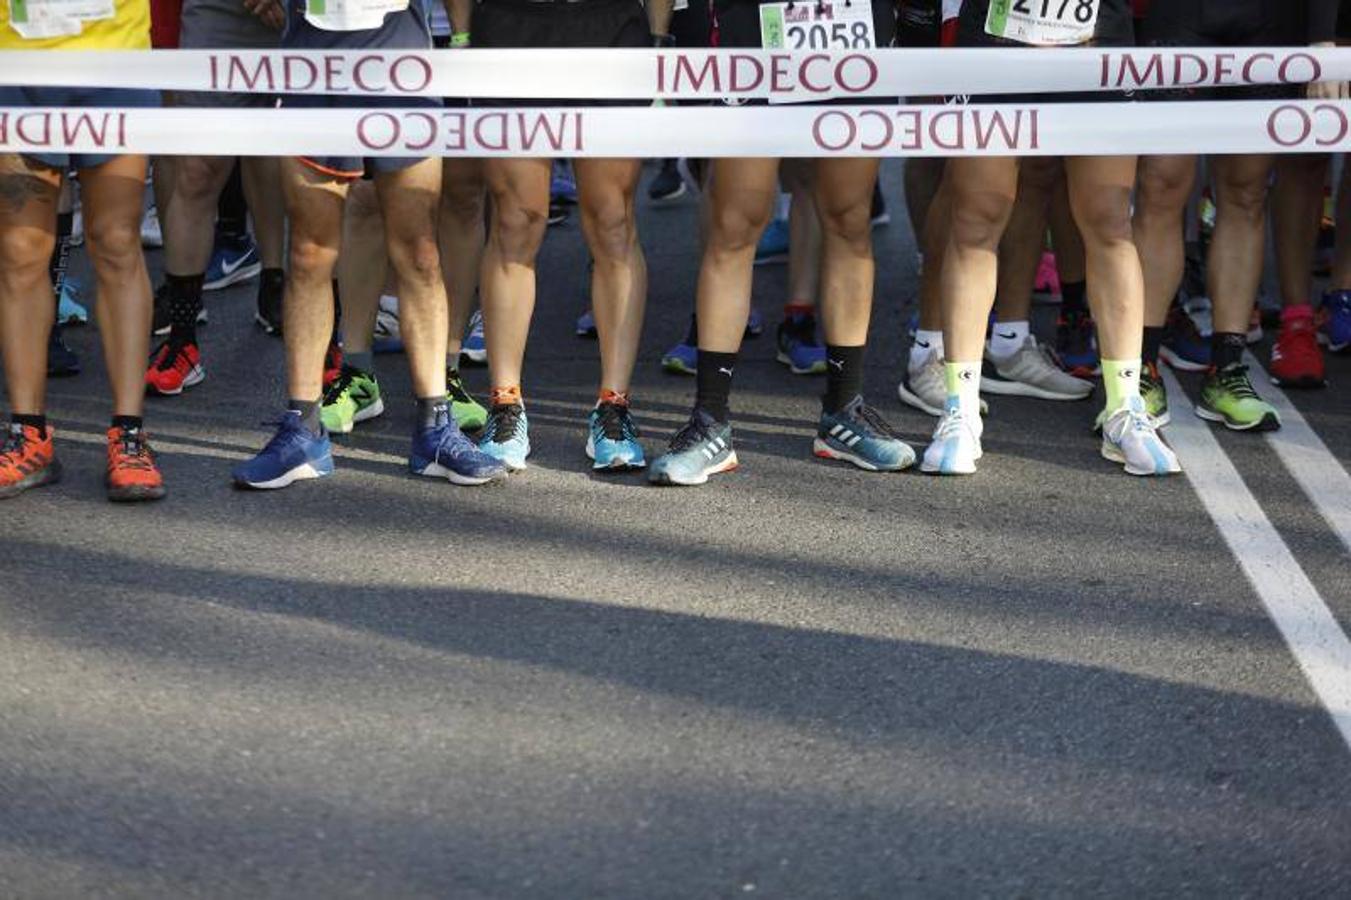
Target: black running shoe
point(667, 183)
point(61, 360)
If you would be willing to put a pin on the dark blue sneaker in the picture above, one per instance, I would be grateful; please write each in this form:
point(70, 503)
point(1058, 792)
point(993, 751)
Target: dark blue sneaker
point(233, 261)
point(293, 454)
point(1184, 347)
point(1336, 320)
point(799, 348)
point(443, 451)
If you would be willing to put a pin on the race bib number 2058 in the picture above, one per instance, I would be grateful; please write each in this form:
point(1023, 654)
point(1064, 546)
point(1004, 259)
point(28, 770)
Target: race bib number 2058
point(1044, 23)
point(817, 25)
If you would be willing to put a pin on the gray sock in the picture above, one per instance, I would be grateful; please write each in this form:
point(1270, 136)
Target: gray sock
point(432, 412)
point(363, 360)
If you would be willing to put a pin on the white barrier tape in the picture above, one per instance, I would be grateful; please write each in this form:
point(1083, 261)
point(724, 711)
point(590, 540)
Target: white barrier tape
point(674, 74)
point(994, 130)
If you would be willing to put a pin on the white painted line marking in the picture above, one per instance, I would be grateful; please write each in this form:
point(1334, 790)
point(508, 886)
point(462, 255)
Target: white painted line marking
point(1309, 460)
point(1310, 630)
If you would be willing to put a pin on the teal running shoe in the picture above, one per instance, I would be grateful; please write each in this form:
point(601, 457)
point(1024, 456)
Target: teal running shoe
point(700, 449)
point(506, 436)
point(613, 439)
point(858, 434)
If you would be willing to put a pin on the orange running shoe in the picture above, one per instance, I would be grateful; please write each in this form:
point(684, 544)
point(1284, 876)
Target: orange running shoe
point(132, 473)
point(27, 460)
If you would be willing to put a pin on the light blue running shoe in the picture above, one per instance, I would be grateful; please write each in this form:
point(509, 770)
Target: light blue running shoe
point(612, 442)
point(955, 447)
point(682, 359)
point(700, 449)
point(70, 311)
point(442, 451)
point(858, 434)
point(473, 348)
point(1130, 436)
point(506, 436)
point(293, 454)
point(586, 326)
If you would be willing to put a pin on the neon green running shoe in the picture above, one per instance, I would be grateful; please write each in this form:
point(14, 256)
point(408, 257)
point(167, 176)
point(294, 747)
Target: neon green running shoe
point(1227, 396)
point(469, 413)
point(354, 397)
point(1155, 395)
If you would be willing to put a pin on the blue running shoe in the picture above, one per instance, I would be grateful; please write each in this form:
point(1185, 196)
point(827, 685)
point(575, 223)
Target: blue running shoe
point(912, 325)
point(69, 310)
point(474, 349)
point(294, 453)
point(1336, 315)
point(700, 449)
point(682, 359)
point(1076, 345)
point(799, 348)
point(442, 451)
point(586, 326)
point(755, 324)
point(858, 434)
point(613, 439)
point(773, 246)
point(1184, 347)
point(562, 184)
point(232, 262)
point(507, 436)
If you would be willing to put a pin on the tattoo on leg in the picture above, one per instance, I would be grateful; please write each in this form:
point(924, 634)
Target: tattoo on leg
point(17, 190)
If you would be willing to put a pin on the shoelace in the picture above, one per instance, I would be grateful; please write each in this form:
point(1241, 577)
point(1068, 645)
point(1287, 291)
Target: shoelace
point(455, 388)
point(135, 452)
point(169, 353)
point(950, 425)
point(615, 422)
point(503, 422)
point(13, 445)
point(874, 420)
point(692, 435)
point(1234, 379)
point(343, 382)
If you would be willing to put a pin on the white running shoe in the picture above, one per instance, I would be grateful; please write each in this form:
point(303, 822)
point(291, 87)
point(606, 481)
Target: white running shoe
point(1131, 437)
point(955, 446)
point(151, 233)
point(925, 388)
point(1031, 372)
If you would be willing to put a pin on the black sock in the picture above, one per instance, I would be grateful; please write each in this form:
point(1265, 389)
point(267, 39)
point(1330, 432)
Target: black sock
point(432, 412)
point(185, 302)
point(309, 413)
point(1153, 339)
point(232, 211)
point(1073, 297)
point(60, 259)
point(1226, 348)
point(129, 423)
point(271, 283)
point(692, 336)
point(844, 376)
point(38, 422)
point(714, 383)
point(337, 313)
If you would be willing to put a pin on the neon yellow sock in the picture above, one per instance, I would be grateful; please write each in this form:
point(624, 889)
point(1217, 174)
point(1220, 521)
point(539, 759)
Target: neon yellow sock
point(1121, 379)
point(963, 384)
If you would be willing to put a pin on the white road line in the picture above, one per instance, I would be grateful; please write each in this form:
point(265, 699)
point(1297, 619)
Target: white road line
point(1309, 461)
point(1310, 630)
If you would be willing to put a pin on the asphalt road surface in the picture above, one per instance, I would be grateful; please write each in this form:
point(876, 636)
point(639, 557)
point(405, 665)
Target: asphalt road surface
point(800, 680)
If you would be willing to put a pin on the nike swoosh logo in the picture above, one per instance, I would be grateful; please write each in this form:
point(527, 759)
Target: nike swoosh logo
point(1007, 337)
point(227, 269)
point(919, 343)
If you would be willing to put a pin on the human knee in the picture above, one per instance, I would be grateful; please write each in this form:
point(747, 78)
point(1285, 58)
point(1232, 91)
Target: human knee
point(24, 253)
point(978, 218)
point(311, 258)
point(416, 257)
point(197, 178)
point(610, 228)
point(1104, 217)
point(517, 230)
point(115, 246)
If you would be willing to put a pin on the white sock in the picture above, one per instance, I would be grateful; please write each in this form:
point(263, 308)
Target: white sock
point(1007, 338)
point(926, 344)
point(963, 386)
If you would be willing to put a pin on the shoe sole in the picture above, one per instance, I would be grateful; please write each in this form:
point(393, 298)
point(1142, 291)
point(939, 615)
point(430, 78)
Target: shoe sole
point(1304, 384)
point(135, 494)
point(668, 197)
point(268, 327)
point(909, 398)
point(1179, 363)
point(1269, 422)
point(814, 370)
point(823, 450)
point(243, 273)
point(1112, 454)
point(299, 473)
point(477, 357)
point(772, 259)
point(939, 470)
point(49, 475)
point(362, 415)
point(436, 470)
point(616, 465)
point(677, 367)
point(729, 464)
point(1010, 388)
point(192, 379)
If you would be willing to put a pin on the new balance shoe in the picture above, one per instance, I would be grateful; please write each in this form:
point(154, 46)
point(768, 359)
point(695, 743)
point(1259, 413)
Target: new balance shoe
point(294, 454)
point(443, 451)
point(1130, 436)
point(1076, 345)
point(474, 349)
point(1227, 396)
point(667, 184)
point(175, 365)
point(1296, 358)
point(799, 348)
point(586, 326)
point(926, 388)
point(387, 336)
point(1155, 394)
point(773, 244)
point(468, 413)
point(132, 475)
point(1335, 331)
point(507, 435)
point(162, 323)
point(354, 397)
point(234, 260)
point(1031, 372)
point(1184, 347)
point(27, 460)
point(955, 447)
point(858, 434)
point(61, 360)
point(612, 439)
point(682, 359)
point(700, 449)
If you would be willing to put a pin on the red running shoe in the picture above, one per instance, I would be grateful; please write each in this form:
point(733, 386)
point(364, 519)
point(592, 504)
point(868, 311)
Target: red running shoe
point(332, 363)
point(27, 460)
point(175, 365)
point(132, 473)
point(1296, 359)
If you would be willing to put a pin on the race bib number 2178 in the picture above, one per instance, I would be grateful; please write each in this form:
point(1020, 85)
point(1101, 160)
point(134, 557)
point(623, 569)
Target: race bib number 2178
point(1044, 23)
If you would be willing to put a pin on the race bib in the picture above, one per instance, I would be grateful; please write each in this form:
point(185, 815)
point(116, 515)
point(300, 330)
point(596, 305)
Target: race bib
point(350, 15)
point(34, 19)
point(1043, 23)
point(817, 25)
